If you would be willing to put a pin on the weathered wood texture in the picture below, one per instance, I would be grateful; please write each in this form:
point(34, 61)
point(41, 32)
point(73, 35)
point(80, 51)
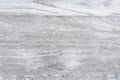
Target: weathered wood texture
point(50, 47)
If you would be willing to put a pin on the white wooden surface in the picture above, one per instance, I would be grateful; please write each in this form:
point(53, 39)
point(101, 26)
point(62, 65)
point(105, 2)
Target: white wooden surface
point(59, 40)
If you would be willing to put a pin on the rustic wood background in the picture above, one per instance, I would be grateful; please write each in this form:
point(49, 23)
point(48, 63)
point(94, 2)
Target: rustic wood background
point(59, 40)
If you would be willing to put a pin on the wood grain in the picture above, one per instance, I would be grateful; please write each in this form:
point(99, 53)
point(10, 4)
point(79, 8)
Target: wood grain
point(46, 46)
